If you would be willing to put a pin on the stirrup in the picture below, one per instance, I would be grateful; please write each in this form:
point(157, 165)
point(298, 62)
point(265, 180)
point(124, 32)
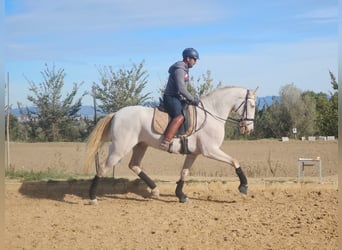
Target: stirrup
point(166, 145)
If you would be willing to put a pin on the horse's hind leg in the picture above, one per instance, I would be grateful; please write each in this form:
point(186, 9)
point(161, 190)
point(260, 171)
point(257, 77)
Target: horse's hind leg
point(139, 151)
point(112, 159)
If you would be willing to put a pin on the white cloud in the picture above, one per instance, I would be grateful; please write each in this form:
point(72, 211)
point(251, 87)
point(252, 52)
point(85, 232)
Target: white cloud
point(105, 15)
point(59, 29)
point(322, 15)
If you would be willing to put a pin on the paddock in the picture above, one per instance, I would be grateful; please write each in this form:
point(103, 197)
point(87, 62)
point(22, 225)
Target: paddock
point(278, 213)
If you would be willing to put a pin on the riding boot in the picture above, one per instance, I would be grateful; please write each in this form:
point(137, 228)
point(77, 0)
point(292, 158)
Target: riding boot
point(171, 131)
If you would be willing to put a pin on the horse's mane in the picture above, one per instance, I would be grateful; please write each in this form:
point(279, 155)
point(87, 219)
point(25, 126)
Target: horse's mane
point(217, 90)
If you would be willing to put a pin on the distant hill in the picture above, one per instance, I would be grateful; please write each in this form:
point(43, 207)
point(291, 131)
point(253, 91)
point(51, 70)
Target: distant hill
point(88, 110)
point(266, 100)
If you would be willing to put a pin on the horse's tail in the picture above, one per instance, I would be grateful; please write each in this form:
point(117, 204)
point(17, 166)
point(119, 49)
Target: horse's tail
point(96, 139)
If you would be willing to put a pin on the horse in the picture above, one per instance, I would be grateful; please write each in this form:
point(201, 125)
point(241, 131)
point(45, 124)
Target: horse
point(130, 128)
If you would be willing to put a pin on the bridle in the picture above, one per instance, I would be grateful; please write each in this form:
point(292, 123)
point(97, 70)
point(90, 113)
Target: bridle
point(243, 121)
point(244, 116)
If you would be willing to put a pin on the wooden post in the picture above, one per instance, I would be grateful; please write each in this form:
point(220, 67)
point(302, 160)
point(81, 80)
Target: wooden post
point(7, 127)
point(94, 102)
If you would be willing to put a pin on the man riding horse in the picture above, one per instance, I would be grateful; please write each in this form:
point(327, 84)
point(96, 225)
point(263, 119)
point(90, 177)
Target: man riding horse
point(130, 129)
point(176, 92)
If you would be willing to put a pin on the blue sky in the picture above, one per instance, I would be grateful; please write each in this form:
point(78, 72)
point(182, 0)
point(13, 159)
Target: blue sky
point(246, 43)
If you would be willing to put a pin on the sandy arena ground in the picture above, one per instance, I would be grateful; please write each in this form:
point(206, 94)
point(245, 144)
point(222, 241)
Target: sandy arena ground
point(278, 213)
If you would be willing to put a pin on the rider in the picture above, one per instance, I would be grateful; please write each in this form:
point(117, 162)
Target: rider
point(176, 92)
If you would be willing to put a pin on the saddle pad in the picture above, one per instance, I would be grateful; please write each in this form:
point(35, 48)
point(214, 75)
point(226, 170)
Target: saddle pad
point(161, 121)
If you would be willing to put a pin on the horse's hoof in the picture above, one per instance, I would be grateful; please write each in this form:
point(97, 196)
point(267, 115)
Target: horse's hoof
point(155, 193)
point(184, 199)
point(93, 202)
point(243, 189)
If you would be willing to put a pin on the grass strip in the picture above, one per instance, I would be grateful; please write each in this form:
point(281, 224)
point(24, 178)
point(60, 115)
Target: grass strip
point(24, 175)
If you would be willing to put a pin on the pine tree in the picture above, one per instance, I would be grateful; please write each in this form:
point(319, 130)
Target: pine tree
point(53, 114)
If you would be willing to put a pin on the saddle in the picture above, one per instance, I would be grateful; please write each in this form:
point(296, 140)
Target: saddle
point(161, 120)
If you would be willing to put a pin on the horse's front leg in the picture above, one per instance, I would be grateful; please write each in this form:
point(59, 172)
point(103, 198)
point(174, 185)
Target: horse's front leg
point(219, 155)
point(189, 160)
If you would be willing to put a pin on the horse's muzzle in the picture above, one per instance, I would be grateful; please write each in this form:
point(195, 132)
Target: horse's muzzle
point(246, 127)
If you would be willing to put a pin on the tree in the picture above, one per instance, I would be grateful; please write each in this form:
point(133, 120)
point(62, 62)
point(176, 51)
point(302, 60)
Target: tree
point(294, 109)
point(274, 121)
point(121, 88)
point(301, 109)
point(13, 123)
point(204, 84)
point(53, 115)
point(333, 81)
point(327, 110)
point(290, 99)
point(333, 127)
point(270, 121)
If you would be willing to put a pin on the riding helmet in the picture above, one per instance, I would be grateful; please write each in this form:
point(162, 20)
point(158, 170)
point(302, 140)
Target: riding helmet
point(190, 52)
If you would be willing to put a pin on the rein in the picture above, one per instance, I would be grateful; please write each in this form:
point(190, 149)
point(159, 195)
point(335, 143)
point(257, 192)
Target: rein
point(229, 119)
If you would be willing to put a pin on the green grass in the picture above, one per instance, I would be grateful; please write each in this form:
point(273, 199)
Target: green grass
point(23, 175)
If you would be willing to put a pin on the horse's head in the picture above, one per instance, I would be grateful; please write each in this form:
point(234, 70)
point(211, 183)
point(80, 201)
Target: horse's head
point(246, 110)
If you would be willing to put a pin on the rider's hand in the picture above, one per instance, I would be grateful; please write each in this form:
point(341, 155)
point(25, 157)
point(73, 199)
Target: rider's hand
point(195, 101)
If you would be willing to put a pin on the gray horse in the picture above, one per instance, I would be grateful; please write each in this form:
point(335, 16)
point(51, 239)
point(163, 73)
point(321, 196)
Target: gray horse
point(130, 128)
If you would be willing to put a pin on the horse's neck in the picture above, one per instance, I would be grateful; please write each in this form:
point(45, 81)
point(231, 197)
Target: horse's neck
point(223, 101)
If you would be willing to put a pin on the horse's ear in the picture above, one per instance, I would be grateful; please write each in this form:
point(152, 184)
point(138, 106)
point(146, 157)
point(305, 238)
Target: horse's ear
point(254, 90)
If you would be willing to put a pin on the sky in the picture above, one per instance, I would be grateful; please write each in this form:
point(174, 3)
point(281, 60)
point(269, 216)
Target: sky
point(242, 43)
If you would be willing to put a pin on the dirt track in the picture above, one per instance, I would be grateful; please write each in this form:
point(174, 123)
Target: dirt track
point(277, 214)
